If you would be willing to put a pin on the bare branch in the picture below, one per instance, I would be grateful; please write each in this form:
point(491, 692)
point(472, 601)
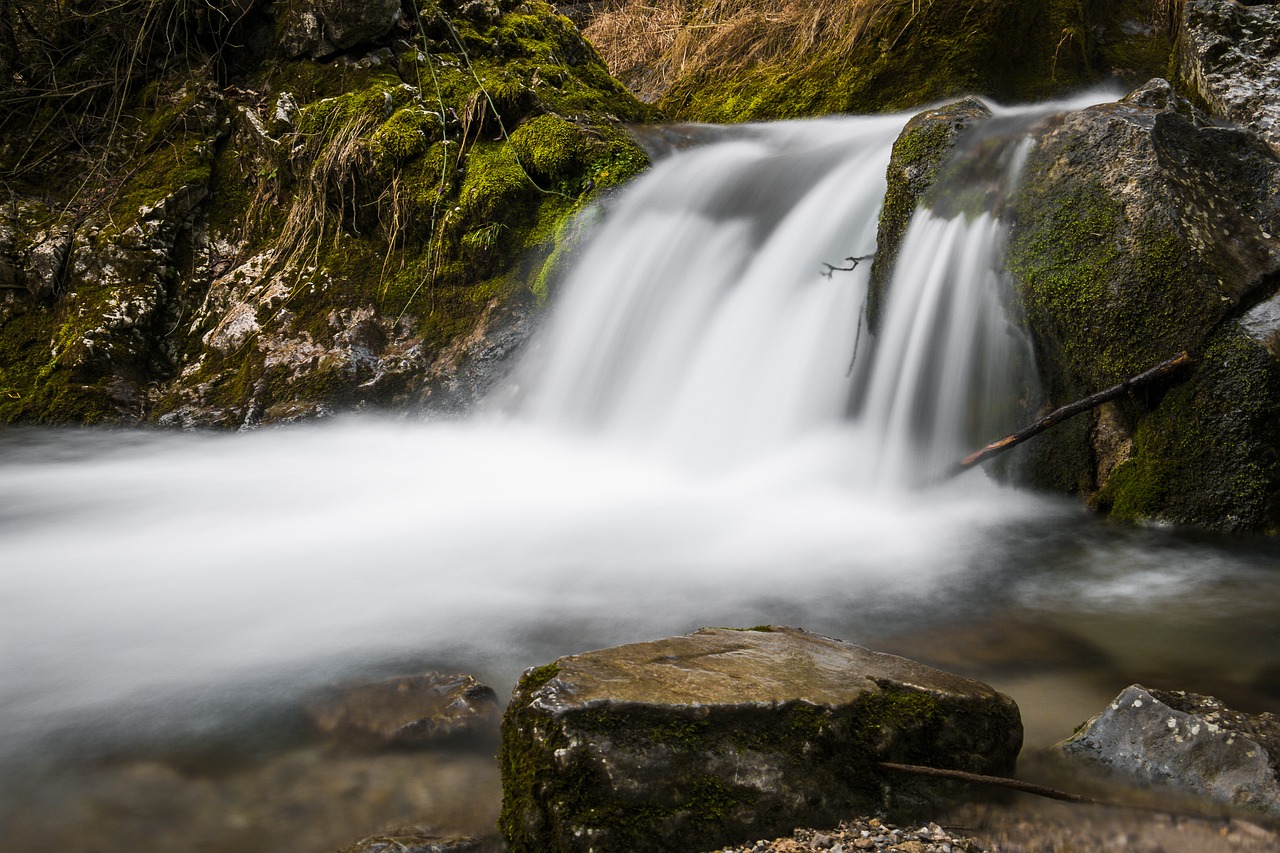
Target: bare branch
point(1070, 410)
point(853, 265)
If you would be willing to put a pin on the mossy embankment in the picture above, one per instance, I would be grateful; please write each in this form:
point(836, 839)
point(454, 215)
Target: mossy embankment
point(741, 61)
point(257, 226)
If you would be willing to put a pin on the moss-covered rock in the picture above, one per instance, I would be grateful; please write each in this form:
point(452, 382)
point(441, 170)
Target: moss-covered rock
point(1139, 233)
point(918, 156)
point(723, 736)
point(284, 237)
point(1207, 454)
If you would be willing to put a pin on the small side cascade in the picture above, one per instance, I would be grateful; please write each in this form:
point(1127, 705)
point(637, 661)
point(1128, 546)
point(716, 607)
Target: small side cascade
point(951, 368)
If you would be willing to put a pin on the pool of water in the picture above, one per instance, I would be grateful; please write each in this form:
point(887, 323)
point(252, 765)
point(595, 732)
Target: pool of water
point(169, 601)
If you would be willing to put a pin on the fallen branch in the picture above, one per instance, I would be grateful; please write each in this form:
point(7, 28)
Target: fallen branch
point(1070, 410)
point(998, 781)
point(1043, 791)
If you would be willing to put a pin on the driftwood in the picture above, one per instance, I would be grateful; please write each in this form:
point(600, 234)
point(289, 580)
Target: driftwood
point(998, 781)
point(1070, 410)
point(1044, 791)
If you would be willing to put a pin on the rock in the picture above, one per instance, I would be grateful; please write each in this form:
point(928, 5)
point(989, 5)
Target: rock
point(1229, 55)
point(918, 156)
point(864, 834)
point(1189, 743)
point(319, 28)
point(416, 842)
point(1139, 232)
point(722, 736)
point(410, 710)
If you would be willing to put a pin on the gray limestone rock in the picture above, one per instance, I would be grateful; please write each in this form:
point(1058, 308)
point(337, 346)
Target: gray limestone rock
point(1187, 742)
point(1229, 54)
point(722, 736)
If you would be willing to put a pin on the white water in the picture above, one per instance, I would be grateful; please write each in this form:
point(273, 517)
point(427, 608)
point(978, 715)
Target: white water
point(680, 456)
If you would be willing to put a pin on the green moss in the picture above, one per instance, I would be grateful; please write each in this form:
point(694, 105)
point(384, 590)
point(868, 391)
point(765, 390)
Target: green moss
point(1206, 454)
point(395, 189)
point(548, 146)
point(409, 131)
point(553, 787)
point(538, 676)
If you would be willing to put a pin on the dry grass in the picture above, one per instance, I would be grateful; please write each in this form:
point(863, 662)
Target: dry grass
point(651, 44)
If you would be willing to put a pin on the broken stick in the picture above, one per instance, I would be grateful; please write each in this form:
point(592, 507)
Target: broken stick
point(1059, 415)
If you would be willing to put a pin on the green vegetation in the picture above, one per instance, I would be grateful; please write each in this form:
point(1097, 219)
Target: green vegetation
point(736, 61)
point(417, 182)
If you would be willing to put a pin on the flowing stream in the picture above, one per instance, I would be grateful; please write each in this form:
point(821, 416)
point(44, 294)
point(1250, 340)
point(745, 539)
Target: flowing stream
point(703, 433)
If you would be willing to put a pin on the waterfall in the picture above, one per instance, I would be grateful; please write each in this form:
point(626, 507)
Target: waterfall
point(694, 441)
point(703, 319)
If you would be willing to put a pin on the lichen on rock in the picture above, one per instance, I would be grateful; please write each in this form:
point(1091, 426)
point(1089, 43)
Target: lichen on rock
point(1185, 743)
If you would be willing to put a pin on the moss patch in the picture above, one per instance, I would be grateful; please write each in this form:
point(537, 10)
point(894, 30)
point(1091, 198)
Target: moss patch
point(1207, 454)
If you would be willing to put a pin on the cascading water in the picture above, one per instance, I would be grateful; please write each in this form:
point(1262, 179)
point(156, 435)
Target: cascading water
point(692, 440)
point(705, 319)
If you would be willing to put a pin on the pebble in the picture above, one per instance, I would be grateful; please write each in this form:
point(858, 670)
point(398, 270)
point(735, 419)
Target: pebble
point(866, 834)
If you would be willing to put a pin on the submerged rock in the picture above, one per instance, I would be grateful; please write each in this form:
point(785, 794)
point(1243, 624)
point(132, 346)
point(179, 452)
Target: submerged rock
point(1228, 54)
point(723, 736)
point(410, 710)
point(1187, 742)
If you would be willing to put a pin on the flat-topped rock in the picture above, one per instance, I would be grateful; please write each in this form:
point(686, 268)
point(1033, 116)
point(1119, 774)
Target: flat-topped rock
point(723, 736)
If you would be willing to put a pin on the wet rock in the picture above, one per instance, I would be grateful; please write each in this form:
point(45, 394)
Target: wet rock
point(409, 711)
point(1229, 54)
point(722, 736)
point(1139, 232)
point(1187, 742)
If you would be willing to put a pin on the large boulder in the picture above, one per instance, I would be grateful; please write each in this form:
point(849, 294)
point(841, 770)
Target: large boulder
point(1228, 54)
point(1140, 232)
point(1186, 742)
point(722, 736)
